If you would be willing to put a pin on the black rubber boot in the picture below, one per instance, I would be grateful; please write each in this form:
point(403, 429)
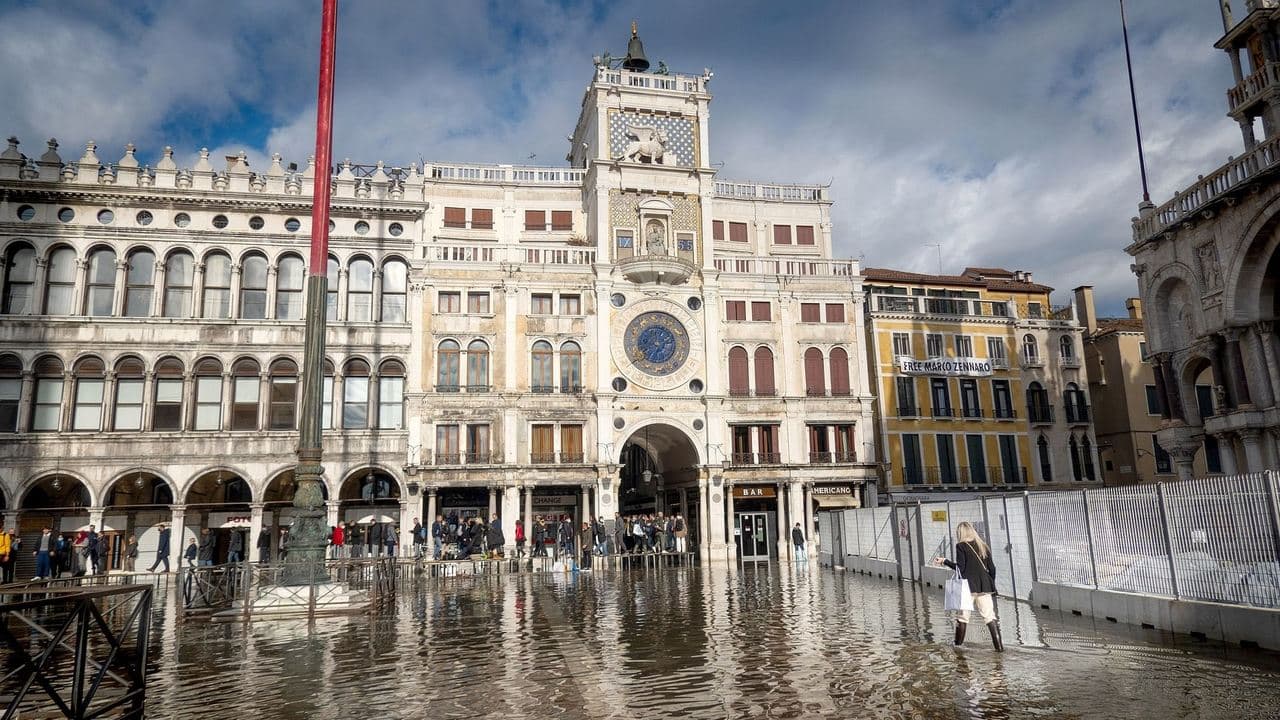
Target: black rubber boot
point(960, 633)
point(996, 642)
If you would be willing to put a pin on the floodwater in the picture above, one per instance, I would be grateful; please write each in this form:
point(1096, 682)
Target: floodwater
point(763, 642)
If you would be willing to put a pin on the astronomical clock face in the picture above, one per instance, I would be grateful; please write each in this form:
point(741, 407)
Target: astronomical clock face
point(656, 344)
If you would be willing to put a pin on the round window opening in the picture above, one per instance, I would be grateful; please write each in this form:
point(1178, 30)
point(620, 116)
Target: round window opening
point(182, 219)
point(695, 386)
point(26, 212)
point(395, 229)
point(332, 226)
point(619, 423)
point(697, 424)
point(695, 304)
point(66, 215)
point(106, 216)
point(145, 217)
point(292, 224)
point(256, 223)
point(619, 384)
point(618, 299)
point(362, 228)
point(220, 221)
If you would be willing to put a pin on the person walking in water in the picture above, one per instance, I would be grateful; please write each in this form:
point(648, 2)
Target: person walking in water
point(162, 549)
point(973, 558)
point(797, 541)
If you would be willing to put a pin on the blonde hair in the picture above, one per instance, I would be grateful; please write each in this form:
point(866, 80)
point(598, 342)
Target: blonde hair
point(966, 533)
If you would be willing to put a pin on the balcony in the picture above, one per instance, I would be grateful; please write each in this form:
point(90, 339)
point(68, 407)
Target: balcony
point(908, 411)
point(1005, 413)
point(943, 413)
point(1040, 414)
point(815, 392)
point(571, 458)
point(1000, 363)
point(1068, 363)
point(661, 269)
point(952, 307)
point(477, 389)
point(758, 392)
point(1077, 414)
point(822, 457)
point(479, 458)
point(973, 413)
point(448, 458)
point(542, 389)
point(789, 267)
point(1032, 361)
point(769, 458)
point(568, 389)
point(447, 388)
point(1253, 87)
point(742, 459)
point(542, 458)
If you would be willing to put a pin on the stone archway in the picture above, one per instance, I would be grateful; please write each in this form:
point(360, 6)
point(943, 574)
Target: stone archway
point(656, 459)
point(369, 504)
point(135, 504)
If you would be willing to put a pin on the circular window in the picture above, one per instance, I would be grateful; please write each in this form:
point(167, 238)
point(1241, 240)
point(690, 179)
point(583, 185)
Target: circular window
point(618, 299)
point(292, 224)
point(66, 215)
point(182, 219)
point(26, 212)
point(219, 221)
point(106, 216)
point(619, 384)
point(619, 423)
point(395, 229)
point(695, 386)
point(695, 304)
point(256, 223)
point(332, 226)
point(362, 228)
point(144, 217)
point(697, 424)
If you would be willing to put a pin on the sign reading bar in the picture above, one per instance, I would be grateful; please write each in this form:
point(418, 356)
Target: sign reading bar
point(754, 491)
point(951, 367)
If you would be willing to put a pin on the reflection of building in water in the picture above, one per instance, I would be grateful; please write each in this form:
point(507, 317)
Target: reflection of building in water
point(625, 333)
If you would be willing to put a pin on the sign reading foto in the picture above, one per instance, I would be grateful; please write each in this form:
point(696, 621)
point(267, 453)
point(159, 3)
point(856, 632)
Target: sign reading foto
point(951, 367)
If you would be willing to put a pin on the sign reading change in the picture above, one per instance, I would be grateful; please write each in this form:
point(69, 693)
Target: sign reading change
point(952, 367)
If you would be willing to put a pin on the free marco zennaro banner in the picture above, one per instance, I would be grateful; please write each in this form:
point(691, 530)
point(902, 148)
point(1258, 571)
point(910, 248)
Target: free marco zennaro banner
point(951, 367)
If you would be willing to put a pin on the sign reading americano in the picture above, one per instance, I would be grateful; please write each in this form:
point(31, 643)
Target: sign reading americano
point(953, 367)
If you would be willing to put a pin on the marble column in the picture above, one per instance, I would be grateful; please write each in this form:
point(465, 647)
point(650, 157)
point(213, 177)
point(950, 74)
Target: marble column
point(528, 515)
point(157, 290)
point(26, 400)
point(405, 548)
point(118, 292)
point(255, 527)
point(811, 544)
point(730, 521)
point(332, 510)
point(1172, 389)
point(493, 503)
point(432, 510)
point(270, 311)
point(197, 292)
point(795, 509)
point(584, 514)
point(1162, 393)
point(78, 292)
point(510, 515)
point(1251, 439)
point(1236, 369)
point(342, 294)
point(1227, 453)
point(784, 538)
point(177, 539)
point(1265, 333)
point(234, 310)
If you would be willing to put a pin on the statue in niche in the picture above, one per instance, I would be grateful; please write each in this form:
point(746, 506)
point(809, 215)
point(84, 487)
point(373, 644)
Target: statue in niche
point(645, 143)
point(1210, 273)
point(656, 238)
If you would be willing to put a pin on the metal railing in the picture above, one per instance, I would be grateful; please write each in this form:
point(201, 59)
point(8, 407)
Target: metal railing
point(239, 591)
point(78, 652)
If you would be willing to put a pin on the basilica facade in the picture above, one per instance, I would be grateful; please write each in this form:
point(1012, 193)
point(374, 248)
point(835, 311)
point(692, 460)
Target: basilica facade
point(625, 334)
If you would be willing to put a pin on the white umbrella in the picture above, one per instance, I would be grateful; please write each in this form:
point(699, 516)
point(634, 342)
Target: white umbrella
point(371, 519)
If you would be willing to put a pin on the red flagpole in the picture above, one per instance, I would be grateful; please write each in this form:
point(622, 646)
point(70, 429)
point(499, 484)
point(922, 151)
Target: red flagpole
point(324, 142)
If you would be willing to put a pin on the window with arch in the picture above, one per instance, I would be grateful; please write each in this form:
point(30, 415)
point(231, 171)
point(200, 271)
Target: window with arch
point(1046, 466)
point(765, 385)
point(448, 359)
point(60, 282)
point(10, 392)
point(46, 411)
point(395, 286)
point(90, 379)
point(289, 277)
point(179, 276)
point(1038, 408)
point(739, 372)
point(477, 366)
point(331, 290)
point(355, 395)
point(1066, 349)
point(282, 398)
point(245, 394)
point(1086, 456)
point(19, 280)
point(253, 288)
point(570, 368)
point(1073, 402)
point(360, 291)
point(839, 362)
point(391, 395)
point(542, 367)
point(100, 285)
point(139, 281)
point(814, 381)
point(326, 397)
point(1076, 470)
point(130, 383)
point(166, 411)
point(208, 373)
point(1030, 350)
point(217, 286)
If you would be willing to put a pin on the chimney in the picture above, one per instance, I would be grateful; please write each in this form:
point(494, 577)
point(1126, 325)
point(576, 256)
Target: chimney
point(1134, 306)
point(1026, 276)
point(1085, 310)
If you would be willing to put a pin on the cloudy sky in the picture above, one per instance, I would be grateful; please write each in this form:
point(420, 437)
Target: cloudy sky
point(999, 129)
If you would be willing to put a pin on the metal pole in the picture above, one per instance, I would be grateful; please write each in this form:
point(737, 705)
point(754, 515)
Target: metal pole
point(1088, 530)
point(1273, 503)
point(307, 535)
point(1133, 99)
point(1008, 538)
point(1031, 535)
point(1168, 538)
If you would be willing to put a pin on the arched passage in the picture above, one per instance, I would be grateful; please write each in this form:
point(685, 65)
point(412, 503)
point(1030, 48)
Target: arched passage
point(369, 499)
point(57, 500)
point(135, 503)
point(659, 474)
point(218, 503)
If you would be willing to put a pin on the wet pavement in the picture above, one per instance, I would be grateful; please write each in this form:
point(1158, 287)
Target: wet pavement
point(763, 642)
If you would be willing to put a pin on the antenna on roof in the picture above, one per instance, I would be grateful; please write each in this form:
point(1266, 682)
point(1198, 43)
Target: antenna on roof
point(939, 247)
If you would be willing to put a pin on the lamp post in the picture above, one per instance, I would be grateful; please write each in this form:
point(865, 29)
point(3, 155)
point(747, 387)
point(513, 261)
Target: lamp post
point(305, 563)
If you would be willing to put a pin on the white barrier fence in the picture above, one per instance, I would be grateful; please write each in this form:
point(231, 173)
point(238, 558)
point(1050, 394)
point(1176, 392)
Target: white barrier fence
point(1215, 539)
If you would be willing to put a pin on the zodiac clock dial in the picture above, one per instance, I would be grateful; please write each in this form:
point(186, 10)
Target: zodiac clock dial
point(656, 343)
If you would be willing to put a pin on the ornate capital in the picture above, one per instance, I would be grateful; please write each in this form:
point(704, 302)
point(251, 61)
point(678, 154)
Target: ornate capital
point(1249, 436)
point(1264, 327)
point(1233, 334)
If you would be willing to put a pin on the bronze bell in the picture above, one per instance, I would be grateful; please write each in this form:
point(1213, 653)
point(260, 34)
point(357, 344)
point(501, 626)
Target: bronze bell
point(635, 60)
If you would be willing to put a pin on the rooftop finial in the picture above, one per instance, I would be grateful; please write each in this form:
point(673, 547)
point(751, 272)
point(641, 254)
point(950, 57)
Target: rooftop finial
point(635, 31)
point(635, 60)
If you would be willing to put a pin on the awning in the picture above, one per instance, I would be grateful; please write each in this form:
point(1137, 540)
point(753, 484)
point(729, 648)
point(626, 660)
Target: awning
point(837, 501)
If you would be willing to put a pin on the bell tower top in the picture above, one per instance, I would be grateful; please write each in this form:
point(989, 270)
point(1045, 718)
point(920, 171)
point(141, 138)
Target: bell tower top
point(1252, 43)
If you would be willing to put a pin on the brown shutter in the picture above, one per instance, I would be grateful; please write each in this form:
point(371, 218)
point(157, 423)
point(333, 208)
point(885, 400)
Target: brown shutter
point(764, 372)
point(781, 234)
point(737, 232)
point(835, 312)
point(804, 235)
point(535, 220)
point(814, 381)
point(839, 372)
point(738, 371)
point(735, 310)
point(455, 217)
point(760, 311)
point(810, 312)
point(481, 219)
point(561, 219)
point(717, 230)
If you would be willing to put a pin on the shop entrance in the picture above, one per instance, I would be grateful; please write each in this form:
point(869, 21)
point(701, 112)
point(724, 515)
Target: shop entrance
point(753, 530)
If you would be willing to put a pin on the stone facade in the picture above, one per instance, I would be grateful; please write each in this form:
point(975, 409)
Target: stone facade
point(502, 340)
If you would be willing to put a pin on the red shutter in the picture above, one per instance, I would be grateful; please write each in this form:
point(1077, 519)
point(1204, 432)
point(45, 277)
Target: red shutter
point(760, 311)
point(482, 219)
point(804, 235)
point(717, 229)
point(764, 372)
point(781, 234)
point(535, 220)
point(455, 217)
point(835, 312)
point(738, 371)
point(814, 382)
point(561, 219)
point(737, 232)
point(839, 372)
point(810, 312)
point(735, 310)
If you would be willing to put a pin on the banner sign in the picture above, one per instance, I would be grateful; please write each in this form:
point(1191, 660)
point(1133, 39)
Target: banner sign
point(831, 490)
point(950, 367)
point(555, 500)
point(754, 491)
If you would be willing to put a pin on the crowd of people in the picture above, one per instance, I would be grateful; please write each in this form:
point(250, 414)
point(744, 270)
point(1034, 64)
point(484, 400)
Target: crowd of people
point(83, 552)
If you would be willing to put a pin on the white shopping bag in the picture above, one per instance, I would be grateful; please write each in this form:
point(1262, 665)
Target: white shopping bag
point(958, 596)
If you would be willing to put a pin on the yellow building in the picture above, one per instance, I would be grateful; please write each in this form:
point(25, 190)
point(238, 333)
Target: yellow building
point(981, 384)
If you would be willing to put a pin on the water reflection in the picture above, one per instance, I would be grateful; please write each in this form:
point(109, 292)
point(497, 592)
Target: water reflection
point(752, 643)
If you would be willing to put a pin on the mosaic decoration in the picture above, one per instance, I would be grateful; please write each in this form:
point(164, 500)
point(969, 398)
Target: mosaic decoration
point(624, 211)
point(678, 148)
point(656, 343)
